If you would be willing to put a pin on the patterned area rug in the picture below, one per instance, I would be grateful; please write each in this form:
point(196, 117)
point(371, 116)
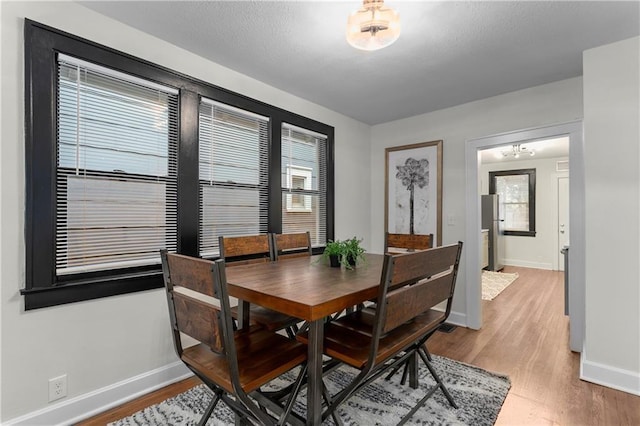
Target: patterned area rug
point(479, 394)
point(493, 283)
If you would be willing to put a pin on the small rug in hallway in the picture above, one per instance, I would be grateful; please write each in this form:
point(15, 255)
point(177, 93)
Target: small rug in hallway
point(479, 394)
point(494, 282)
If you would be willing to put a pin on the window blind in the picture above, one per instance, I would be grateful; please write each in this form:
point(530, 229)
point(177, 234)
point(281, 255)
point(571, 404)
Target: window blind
point(233, 171)
point(116, 175)
point(304, 183)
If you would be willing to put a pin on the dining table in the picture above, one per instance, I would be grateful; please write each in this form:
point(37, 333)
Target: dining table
point(309, 289)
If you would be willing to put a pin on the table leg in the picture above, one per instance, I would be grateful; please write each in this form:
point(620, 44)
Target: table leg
point(314, 362)
point(243, 314)
point(413, 371)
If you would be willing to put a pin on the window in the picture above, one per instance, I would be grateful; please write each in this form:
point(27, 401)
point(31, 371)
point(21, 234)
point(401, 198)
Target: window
point(304, 182)
point(517, 200)
point(116, 169)
point(120, 163)
point(233, 146)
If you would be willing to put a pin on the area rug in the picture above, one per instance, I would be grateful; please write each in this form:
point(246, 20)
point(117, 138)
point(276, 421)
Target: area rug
point(479, 394)
point(493, 283)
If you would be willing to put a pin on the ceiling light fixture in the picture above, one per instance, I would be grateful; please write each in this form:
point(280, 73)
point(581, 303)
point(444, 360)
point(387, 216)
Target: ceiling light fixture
point(373, 26)
point(517, 150)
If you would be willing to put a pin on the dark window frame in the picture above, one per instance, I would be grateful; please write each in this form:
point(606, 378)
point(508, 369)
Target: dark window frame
point(42, 43)
point(531, 173)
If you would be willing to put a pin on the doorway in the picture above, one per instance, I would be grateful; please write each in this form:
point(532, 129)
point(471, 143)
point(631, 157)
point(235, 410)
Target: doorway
point(573, 130)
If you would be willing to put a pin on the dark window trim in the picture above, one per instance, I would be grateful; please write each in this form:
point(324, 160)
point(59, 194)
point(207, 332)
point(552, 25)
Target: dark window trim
point(532, 197)
point(42, 43)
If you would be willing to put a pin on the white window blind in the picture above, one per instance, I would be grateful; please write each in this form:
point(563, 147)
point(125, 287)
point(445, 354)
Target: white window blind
point(234, 166)
point(116, 169)
point(304, 207)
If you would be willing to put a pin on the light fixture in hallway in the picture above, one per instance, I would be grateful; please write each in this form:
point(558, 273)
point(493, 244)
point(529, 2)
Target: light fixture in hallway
point(517, 150)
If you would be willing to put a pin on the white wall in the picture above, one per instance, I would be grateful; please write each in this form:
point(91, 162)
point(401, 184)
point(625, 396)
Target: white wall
point(540, 251)
point(103, 342)
point(538, 106)
point(612, 154)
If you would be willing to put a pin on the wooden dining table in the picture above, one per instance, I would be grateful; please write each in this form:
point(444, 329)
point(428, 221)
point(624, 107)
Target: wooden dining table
point(309, 289)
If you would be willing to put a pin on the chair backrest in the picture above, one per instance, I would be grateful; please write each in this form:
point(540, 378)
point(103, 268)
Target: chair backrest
point(407, 242)
point(413, 283)
point(197, 311)
point(291, 245)
point(246, 249)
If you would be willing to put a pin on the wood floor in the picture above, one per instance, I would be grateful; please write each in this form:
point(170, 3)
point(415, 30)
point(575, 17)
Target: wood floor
point(525, 335)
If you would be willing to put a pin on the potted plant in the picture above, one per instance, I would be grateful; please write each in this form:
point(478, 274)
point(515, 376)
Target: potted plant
point(352, 252)
point(333, 252)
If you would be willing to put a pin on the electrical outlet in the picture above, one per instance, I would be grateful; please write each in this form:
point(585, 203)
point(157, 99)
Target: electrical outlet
point(57, 387)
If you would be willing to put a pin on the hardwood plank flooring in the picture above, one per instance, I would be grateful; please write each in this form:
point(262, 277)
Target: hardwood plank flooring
point(524, 335)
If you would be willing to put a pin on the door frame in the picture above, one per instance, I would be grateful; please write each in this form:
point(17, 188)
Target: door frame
point(577, 267)
point(559, 256)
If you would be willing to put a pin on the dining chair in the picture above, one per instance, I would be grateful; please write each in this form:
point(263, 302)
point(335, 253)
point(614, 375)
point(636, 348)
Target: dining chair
point(287, 246)
point(249, 249)
point(234, 364)
point(406, 243)
point(402, 243)
point(398, 243)
point(374, 341)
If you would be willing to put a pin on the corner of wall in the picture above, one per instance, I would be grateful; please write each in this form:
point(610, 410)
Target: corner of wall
point(606, 375)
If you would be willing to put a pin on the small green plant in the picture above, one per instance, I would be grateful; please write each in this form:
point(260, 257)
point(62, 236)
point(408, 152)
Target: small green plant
point(333, 252)
point(352, 252)
point(333, 248)
point(347, 252)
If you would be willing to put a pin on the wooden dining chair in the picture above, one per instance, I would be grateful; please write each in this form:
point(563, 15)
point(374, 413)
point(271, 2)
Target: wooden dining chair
point(375, 341)
point(233, 364)
point(287, 246)
point(400, 243)
point(248, 249)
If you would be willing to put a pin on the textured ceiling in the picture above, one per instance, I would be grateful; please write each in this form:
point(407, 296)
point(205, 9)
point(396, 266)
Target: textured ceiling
point(448, 53)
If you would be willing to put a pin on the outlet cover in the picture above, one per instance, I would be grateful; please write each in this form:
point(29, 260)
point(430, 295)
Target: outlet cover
point(451, 220)
point(57, 387)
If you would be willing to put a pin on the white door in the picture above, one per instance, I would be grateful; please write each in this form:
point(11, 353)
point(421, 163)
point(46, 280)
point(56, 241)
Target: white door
point(563, 218)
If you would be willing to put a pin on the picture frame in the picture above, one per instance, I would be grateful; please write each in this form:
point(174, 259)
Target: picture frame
point(413, 189)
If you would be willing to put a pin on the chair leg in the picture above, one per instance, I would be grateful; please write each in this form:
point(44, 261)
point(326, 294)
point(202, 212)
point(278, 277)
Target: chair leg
point(426, 351)
point(290, 333)
point(294, 393)
point(393, 371)
point(345, 393)
point(209, 410)
point(439, 382)
point(327, 399)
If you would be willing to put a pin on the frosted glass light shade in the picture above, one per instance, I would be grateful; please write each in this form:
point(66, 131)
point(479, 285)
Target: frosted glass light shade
point(373, 26)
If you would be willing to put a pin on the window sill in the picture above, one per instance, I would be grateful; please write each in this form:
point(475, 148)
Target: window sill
point(43, 297)
point(520, 233)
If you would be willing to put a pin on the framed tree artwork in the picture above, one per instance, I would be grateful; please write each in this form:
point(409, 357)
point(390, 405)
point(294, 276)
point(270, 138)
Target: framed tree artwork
point(413, 189)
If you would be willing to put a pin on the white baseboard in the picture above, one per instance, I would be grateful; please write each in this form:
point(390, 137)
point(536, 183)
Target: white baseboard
point(87, 405)
point(527, 264)
point(611, 377)
point(457, 318)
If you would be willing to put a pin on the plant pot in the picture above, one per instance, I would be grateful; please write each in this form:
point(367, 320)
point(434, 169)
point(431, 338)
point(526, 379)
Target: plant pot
point(351, 261)
point(334, 260)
